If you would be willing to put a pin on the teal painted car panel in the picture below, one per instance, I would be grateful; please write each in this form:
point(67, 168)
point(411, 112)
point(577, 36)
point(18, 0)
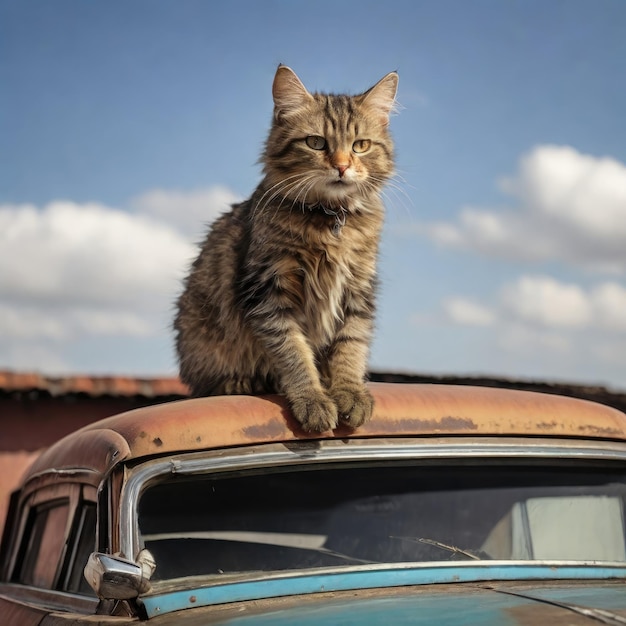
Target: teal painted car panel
point(371, 578)
point(571, 603)
point(611, 598)
point(457, 610)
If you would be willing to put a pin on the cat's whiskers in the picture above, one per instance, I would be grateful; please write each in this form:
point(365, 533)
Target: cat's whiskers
point(391, 191)
point(396, 191)
point(287, 191)
point(257, 207)
point(305, 185)
point(281, 190)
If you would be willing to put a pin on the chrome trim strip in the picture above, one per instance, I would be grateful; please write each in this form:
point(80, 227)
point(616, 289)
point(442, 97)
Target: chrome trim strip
point(50, 598)
point(346, 451)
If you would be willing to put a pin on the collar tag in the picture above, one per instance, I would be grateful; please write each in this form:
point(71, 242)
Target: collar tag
point(340, 218)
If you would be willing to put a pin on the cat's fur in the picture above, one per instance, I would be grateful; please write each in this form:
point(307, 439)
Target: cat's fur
point(281, 296)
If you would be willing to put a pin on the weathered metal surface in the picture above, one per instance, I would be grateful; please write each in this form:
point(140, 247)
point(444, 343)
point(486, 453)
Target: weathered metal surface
point(16, 613)
point(454, 604)
point(97, 449)
point(450, 604)
point(400, 410)
point(374, 577)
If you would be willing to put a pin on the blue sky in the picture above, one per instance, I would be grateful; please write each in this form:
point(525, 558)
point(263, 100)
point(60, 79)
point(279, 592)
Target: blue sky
point(126, 126)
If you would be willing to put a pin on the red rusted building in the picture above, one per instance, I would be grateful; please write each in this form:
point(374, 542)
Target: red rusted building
point(37, 410)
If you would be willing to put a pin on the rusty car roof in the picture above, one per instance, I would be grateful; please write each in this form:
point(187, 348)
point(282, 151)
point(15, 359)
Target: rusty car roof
point(399, 410)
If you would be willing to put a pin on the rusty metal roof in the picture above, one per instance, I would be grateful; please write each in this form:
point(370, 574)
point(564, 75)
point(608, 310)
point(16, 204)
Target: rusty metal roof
point(400, 410)
point(94, 386)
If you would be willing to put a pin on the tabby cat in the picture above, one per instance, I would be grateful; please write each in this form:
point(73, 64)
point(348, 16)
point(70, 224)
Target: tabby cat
point(281, 296)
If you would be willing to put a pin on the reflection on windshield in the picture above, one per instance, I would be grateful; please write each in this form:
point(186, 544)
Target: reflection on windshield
point(304, 517)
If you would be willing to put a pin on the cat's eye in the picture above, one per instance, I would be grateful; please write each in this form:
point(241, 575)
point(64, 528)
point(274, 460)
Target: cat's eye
point(361, 145)
point(316, 142)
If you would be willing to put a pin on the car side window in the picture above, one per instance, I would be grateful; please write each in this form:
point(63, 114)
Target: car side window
point(43, 544)
point(58, 535)
point(81, 545)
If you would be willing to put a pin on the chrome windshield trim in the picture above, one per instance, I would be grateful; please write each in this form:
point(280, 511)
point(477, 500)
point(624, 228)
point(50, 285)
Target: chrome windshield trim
point(346, 451)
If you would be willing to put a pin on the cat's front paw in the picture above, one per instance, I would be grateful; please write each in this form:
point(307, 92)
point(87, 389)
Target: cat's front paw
point(354, 403)
point(315, 412)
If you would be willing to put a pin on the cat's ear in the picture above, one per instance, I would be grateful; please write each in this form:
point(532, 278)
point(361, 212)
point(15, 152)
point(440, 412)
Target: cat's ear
point(380, 98)
point(288, 91)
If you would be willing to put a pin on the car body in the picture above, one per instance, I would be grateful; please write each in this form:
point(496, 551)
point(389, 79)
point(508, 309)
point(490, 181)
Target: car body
point(454, 504)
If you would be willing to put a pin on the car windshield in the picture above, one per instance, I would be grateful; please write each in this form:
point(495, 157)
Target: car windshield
point(304, 517)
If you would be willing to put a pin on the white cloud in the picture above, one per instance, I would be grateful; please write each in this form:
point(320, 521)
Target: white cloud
point(571, 207)
point(189, 212)
point(77, 272)
point(70, 254)
point(609, 305)
point(542, 302)
point(537, 327)
point(537, 343)
point(466, 312)
point(19, 322)
point(580, 190)
point(540, 319)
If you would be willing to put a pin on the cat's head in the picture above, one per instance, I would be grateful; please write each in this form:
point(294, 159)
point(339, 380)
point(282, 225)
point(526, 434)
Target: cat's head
point(325, 148)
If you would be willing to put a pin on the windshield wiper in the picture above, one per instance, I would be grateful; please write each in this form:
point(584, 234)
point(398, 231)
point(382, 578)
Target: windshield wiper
point(442, 546)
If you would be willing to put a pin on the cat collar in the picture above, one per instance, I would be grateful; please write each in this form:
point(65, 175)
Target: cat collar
point(340, 218)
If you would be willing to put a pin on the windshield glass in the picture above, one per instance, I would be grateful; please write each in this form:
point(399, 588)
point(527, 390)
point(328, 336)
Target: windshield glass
point(305, 517)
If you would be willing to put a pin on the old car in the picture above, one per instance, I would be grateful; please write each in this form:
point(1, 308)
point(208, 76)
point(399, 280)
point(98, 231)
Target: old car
point(453, 505)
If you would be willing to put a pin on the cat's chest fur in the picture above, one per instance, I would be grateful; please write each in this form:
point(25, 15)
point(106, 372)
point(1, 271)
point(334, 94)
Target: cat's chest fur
point(321, 269)
point(325, 279)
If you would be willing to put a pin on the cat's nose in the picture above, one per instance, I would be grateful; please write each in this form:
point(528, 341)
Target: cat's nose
point(340, 161)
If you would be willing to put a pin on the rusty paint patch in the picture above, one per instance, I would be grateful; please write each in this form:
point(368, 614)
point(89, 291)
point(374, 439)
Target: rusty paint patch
point(446, 424)
point(267, 431)
point(452, 423)
point(599, 431)
point(547, 425)
point(533, 614)
point(157, 442)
